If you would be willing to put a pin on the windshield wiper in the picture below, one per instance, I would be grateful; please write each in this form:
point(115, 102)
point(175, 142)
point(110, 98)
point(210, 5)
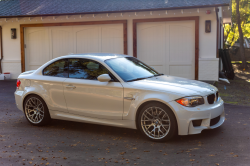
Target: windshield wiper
point(158, 74)
point(136, 79)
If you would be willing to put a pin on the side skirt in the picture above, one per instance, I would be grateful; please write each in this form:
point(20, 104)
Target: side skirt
point(107, 122)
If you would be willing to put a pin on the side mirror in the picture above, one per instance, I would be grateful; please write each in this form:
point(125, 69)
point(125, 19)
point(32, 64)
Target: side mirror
point(104, 78)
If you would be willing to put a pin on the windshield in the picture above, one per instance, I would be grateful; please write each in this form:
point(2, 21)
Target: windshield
point(131, 69)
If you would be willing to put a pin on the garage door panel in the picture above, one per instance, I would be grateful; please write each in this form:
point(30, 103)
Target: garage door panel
point(37, 47)
point(46, 43)
point(61, 42)
point(112, 39)
point(182, 43)
point(151, 43)
point(87, 40)
point(169, 47)
point(181, 71)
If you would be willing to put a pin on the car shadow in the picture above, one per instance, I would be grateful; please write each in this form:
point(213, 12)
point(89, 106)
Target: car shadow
point(129, 134)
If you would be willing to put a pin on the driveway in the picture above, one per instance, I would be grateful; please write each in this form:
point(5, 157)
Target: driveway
point(72, 143)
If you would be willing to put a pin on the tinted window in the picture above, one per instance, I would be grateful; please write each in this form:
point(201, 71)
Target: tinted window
point(85, 69)
point(130, 68)
point(57, 69)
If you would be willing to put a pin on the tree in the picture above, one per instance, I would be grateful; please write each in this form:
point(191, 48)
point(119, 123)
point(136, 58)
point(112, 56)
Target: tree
point(242, 50)
point(240, 27)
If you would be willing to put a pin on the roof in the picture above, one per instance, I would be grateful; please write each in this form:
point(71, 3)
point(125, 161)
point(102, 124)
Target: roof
point(95, 56)
point(15, 8)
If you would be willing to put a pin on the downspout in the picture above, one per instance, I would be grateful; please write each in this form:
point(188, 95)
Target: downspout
point(217, 38)
point(1, 46)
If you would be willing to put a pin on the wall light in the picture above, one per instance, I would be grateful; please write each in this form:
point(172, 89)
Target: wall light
point(13, 33)
point(208, 26)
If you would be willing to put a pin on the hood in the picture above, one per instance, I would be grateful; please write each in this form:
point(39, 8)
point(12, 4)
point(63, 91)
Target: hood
point(178, 85)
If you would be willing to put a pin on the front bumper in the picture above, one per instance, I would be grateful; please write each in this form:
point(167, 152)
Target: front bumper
point(205, 113)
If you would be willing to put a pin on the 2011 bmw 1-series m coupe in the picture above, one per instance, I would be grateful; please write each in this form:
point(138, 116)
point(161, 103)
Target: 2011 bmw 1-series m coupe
point(121, 91)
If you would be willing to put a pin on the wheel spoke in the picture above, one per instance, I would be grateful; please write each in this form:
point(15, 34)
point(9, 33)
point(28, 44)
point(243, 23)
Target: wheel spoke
point(160, 124)
point(147, 125)
point(149, 113)
point(34, 110)
point(147, 117)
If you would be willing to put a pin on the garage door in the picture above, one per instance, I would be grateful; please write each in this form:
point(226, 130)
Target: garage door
point(169, 47)
point(45, 43)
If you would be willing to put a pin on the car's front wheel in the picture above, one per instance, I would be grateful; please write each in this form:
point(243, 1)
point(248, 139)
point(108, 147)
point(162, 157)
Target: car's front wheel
point(157, 122)
point(36, 110)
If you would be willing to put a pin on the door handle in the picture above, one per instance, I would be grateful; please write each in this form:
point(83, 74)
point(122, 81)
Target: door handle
point(70, 86)
point(129, 98)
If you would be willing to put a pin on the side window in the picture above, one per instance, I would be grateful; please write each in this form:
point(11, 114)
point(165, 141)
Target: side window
point(85, 69)
point(57, 69)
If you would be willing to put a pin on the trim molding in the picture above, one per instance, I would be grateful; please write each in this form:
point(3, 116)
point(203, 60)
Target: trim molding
point(195, 18)
point(22, 26)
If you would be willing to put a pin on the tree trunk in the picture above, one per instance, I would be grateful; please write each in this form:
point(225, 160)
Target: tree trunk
point(242, 49)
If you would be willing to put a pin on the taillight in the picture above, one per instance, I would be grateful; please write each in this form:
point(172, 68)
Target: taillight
point(18, 84)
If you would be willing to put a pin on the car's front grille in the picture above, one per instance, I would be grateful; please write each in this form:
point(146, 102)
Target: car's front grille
point(211, 98)
point(214, 121)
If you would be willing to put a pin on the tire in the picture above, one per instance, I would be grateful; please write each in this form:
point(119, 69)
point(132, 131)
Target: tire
point(157, 122)
point(36, 111)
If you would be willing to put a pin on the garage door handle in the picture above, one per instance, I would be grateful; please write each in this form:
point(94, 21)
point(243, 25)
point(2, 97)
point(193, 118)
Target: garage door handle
point(70, 86)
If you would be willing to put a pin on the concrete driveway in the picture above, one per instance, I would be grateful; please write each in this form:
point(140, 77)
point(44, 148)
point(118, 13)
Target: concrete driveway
point(71, 143)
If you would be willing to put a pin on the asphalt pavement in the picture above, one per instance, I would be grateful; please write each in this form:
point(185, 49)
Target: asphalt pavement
point(71, 144)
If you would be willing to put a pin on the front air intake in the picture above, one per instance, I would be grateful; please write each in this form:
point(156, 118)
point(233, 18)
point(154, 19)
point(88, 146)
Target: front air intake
point(211, 98)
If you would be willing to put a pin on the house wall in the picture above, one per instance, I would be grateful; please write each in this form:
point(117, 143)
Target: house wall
point(207, 41)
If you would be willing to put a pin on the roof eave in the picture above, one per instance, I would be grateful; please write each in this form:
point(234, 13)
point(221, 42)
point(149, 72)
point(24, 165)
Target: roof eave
point(121, 11)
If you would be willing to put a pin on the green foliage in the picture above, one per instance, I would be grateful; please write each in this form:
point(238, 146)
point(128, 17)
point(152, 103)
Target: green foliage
point(231, 33)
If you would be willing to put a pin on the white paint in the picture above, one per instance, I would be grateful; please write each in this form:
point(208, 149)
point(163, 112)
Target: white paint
point(46, 43)
point(207, 45)
point(169, 47)
point(102, 102)
point(208, 69)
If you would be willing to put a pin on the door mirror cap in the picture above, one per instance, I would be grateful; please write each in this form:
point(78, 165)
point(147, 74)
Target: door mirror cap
point(104, 78)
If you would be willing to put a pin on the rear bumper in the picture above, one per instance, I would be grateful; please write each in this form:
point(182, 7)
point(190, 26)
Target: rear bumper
point(205, 113)
point(19, 99)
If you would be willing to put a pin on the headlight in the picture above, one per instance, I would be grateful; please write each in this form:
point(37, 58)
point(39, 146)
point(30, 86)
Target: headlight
point(191, 101)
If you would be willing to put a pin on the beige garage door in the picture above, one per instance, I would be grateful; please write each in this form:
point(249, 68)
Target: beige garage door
point(45, 43)
point(169, 47)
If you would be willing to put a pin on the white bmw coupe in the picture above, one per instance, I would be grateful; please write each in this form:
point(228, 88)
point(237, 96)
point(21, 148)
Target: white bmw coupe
point(121, 91)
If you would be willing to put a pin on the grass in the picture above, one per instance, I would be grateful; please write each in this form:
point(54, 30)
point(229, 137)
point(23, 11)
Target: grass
point(235, 62)
point(238, 91)
point(231, 102)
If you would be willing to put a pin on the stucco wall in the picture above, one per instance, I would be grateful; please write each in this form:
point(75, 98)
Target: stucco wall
point(207, 41)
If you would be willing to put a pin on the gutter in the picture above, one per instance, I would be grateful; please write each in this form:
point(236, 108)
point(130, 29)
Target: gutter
point(121, 11)
point(1, 46)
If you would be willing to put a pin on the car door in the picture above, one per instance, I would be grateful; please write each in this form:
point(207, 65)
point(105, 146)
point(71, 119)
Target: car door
point(87, 96)
point(51, 84)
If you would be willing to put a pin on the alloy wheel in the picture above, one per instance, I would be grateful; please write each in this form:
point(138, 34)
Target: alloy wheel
point(155, 122)
point(34, 110)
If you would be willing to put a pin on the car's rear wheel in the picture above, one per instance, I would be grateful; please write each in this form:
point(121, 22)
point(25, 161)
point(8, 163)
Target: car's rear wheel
point(36, 110)
point(157, 122)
